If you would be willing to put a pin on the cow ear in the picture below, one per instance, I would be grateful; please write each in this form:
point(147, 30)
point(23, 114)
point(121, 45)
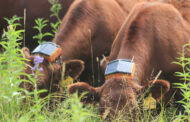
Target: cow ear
point(74, 68)
point(91, 94)
point(158, 88)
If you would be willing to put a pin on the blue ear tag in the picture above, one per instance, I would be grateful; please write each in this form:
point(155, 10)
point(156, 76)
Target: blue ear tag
point(120, 67)
point(48, 50)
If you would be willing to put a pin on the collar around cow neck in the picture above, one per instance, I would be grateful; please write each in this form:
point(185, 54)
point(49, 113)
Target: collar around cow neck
point(50, 51)
point(121, 68)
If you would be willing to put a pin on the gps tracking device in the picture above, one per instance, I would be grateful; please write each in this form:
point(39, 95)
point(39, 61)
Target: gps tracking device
point(120, 68)
point(49, 50)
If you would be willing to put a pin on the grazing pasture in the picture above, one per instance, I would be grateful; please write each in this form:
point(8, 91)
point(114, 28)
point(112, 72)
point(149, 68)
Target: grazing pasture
point(153, 35)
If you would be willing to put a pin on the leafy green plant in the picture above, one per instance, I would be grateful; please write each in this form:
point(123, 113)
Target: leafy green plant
point(55, 9)
point(11, 65)
point(14, 100)
point(184, 86)
point(40, 25)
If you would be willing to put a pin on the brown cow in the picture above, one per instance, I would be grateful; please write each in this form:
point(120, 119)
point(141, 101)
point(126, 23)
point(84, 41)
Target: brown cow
point(153, 34)
point(51, 74)
point(95, 20)
point(34, 9)
point(86, 22)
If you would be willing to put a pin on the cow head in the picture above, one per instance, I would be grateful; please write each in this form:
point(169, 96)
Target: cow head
point(49, 74)
point(118, 95)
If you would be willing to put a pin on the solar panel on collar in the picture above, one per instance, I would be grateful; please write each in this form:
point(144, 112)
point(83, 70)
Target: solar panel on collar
point(48, 50)
point(120, 67)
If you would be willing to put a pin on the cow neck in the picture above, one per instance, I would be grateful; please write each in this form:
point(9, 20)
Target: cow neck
point(74, 42)
point(77, 29)
point(122, 33)
point(141, 55)
point(73, 46)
